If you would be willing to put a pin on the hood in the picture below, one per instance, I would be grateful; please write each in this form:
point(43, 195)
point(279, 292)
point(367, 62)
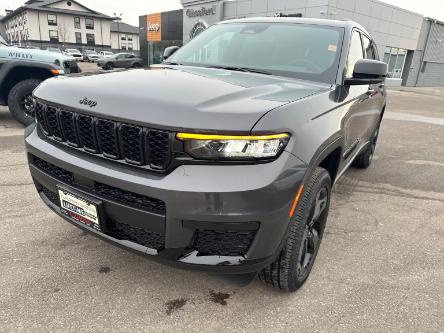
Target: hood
point(183, 98)
point(35, 55)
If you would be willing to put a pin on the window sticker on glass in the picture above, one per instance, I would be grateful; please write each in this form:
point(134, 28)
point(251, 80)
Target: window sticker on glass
point(332, 48)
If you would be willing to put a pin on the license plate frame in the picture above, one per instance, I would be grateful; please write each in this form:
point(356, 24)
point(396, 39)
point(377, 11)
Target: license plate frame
point(80, 207)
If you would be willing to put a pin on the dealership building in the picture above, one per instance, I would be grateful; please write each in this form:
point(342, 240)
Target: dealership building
point(411, 44)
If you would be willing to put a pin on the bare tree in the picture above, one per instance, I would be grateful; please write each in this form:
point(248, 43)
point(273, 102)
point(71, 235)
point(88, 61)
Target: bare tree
point(64, 32)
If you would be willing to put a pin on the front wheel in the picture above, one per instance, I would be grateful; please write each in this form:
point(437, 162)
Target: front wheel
point(20, 101)
point(293, 266)
point(109, 66)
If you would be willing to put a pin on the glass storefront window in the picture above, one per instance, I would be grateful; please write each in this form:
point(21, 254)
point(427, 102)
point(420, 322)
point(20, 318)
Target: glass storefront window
point(395, 59)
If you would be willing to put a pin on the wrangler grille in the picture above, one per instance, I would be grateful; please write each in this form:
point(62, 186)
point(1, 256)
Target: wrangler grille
point(122, 142)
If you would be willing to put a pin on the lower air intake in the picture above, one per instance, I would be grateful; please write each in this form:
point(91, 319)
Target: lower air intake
point(140, 236)
point(223, 243)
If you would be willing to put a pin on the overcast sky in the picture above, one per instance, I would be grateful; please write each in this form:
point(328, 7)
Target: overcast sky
point(132, 9)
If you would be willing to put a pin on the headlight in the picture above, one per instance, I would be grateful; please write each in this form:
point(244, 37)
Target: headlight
point(57, 62)
point(233, 147)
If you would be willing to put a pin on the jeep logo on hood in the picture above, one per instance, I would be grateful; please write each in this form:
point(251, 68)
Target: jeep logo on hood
point(89, 102)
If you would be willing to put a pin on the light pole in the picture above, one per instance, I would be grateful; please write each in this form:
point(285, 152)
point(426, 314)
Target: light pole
point(118, 19)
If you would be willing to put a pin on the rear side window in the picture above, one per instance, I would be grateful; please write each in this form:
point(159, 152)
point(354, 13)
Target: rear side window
point(355, 53)
point(368, 48)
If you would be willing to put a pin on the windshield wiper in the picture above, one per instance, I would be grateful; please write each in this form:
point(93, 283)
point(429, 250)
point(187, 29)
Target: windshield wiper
point(240, 69)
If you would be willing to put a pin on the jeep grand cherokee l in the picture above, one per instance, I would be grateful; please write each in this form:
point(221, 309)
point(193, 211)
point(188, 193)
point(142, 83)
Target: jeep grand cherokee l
point(222, 160)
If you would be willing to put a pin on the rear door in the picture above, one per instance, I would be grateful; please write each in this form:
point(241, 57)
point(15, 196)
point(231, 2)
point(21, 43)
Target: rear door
point(120, 60)
point(129, 59)
point(359, 120)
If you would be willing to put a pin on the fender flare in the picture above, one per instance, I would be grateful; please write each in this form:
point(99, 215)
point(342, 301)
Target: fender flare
point(334, 142)
point(11, 65)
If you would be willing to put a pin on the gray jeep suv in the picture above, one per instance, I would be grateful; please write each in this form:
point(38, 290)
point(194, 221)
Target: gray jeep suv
point(223, 159)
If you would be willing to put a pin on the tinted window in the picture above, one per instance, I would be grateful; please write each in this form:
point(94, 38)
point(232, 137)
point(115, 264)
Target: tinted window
point(355, 53)
point(297, 50)
point(368, 48)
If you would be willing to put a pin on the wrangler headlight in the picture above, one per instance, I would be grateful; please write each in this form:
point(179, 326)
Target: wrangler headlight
point(233, 147)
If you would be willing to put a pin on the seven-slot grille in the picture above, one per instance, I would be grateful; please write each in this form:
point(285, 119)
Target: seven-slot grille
point(131, 144)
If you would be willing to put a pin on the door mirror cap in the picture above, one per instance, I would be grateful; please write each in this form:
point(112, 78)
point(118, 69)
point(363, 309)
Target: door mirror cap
point(367, 71)
point(169, 51)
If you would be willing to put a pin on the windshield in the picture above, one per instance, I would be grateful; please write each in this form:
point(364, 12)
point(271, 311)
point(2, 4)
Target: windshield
point(308, 52)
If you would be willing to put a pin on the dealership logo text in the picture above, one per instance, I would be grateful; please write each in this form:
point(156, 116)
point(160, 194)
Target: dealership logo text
point(201, 12)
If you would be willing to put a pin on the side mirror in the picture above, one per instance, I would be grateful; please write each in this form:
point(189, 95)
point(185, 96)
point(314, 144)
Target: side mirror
point(169, 51)
point(367, 71)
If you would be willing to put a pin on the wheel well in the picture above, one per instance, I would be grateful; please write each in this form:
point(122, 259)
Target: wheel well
point(21, 73)
point(331, 163)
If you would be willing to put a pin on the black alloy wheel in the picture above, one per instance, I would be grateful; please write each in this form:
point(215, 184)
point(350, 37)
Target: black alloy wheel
point(294, 263)
point(311, 237)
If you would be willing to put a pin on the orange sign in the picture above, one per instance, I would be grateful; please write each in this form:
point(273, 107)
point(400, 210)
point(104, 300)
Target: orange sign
point(154, 27)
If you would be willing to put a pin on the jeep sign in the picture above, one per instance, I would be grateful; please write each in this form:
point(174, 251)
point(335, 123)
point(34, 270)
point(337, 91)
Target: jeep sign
point(153, 27)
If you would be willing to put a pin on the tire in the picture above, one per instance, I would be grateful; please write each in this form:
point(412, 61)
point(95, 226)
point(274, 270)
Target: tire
point(365, 158)
point(109, 66)
point(20, 101)
point(287, 272)
point(137, 65)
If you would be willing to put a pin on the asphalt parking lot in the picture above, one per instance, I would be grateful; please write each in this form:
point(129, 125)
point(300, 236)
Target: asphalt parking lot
point(380, 266)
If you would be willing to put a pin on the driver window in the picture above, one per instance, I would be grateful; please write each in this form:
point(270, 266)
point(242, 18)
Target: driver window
point(355, 53)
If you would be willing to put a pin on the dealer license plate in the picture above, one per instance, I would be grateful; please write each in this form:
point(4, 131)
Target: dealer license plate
point(79, 209)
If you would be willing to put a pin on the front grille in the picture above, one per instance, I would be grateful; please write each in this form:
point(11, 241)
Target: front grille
point(122, 142)
point(159, 148)
point(132, 143)
point(130, 198)
point(86, 133)
point(68, 126)
point(107, 131)
point(53, 170)
point(51, 196)
point(223, 243)
point(140, 236)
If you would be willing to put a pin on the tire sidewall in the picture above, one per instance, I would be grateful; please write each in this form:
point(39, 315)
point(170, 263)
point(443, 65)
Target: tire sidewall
point(300, 219)
point(17, 93)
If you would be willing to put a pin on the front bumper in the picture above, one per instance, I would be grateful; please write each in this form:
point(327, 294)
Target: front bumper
point(219, 218)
